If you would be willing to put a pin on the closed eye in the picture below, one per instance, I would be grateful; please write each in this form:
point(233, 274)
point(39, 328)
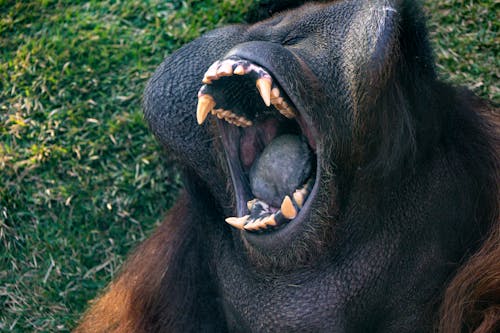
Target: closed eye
point(292, 40)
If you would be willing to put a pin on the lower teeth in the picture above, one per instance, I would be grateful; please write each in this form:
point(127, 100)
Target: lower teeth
point(262, 216)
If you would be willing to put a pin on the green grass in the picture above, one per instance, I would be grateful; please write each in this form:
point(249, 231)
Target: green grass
point(465, 36)
point(81, 178)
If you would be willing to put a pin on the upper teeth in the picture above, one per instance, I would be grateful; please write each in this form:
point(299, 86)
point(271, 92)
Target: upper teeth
point(261, 215)
point(231, 117)
point(205, 104)
point(264, 84)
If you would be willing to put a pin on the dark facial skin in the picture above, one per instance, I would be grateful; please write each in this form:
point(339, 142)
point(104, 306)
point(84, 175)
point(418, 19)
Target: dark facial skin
point(390, 215)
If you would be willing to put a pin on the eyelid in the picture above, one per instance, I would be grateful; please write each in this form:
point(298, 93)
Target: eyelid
point(292, 39)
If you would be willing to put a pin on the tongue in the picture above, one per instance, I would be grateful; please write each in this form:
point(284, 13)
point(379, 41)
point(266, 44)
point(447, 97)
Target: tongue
point(283, 166)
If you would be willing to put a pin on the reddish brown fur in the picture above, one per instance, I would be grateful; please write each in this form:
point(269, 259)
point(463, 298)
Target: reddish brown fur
point(153, 278)
point(472, 301)
point(157, 281)
point(121, 307)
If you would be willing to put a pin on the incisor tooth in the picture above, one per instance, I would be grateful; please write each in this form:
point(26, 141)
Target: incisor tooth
point(226, 69)
point(287, 208)
point(205, 104)
point(264, 87)
point(239, 70)
point(237, 222)
point(256, 225)
point(211, 73)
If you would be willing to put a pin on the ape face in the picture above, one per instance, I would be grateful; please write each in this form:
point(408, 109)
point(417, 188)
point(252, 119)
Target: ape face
point(288, 98)
point(263, 92)
point(341, 166)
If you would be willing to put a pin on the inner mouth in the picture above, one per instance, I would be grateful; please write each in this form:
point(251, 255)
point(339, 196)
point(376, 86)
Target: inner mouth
point(269, 146)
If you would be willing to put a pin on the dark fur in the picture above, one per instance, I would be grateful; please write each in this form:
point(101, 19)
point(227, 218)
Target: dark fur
point(410, 133)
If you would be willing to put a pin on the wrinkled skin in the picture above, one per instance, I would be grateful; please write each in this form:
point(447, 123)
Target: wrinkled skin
point(404, 191)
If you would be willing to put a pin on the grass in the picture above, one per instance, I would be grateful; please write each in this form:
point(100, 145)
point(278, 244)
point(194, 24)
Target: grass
point(466, 43)
point(81, 179)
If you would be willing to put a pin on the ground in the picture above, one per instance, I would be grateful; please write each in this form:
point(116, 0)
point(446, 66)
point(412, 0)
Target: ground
point(81, 179)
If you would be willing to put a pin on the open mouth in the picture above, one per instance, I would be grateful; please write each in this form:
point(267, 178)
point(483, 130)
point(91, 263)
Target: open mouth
point(269, 145)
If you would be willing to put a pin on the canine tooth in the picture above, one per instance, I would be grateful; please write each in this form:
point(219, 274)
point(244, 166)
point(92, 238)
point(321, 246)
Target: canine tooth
point(237, 222)
point(239, 70)
point(287, 208)
point(205, 104)
point(298, 197)
point(225, 69)
point(264, 87)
